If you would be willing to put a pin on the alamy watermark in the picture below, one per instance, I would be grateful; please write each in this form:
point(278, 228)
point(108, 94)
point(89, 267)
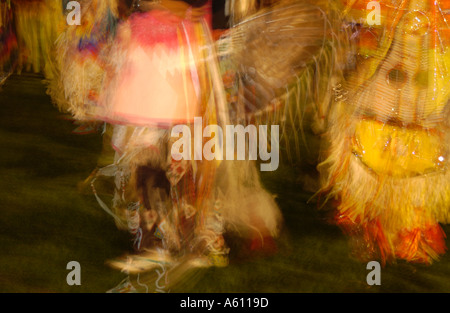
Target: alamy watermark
point(374, 16)
point(374, 276)
point(232, 146)
point(74, 16)
point(74, 276)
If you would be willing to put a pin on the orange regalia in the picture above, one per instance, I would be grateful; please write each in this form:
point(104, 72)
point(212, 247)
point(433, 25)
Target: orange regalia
point(387, 159)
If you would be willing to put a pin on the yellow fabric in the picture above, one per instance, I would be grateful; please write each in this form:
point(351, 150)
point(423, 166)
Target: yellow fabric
point(398, 151)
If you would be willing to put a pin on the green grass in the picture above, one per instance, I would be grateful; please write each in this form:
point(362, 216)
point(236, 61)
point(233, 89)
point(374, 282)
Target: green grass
point(45, 223)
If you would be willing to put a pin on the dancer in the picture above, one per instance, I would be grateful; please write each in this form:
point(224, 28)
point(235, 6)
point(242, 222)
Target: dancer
point(8, 41)
point(77, 70)
point(162, 72)
point(386, 165)
point(37, 23)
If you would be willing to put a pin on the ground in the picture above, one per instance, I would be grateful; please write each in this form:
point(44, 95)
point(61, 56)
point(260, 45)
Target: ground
point(45, 223)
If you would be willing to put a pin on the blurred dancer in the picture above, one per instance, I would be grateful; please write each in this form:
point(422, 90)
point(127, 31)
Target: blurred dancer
point(387, 164)
point(77, 70)
point(37, 27)
point(8, 41)
point(159, 70)
point(162, 71)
